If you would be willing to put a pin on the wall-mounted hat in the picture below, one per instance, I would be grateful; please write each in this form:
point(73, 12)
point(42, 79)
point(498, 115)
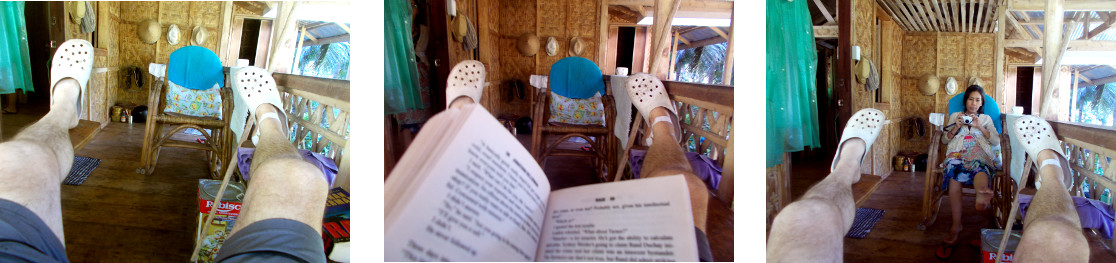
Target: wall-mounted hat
point(200, 35)
point(77, 11)
point(172, 35)
point(149, 31)
point(951, 86)
point(577, 46)
point(528, 44)
point(459, 27)
point(929, 85)
point(976, 81)
point(551, 46)
point(861, 71)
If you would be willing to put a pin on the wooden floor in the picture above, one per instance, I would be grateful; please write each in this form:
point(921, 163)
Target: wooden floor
point(895, 238)
point(117, 215)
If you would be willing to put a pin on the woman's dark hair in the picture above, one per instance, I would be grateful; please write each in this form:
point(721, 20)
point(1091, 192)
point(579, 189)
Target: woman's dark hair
point(975, 88)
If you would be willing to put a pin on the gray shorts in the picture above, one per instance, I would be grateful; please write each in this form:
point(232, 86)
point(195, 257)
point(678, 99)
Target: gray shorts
point(25, 238)
point(274, 240)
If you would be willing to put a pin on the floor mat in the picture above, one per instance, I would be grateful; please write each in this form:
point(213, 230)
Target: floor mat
point(83, 166)
point(866, 218)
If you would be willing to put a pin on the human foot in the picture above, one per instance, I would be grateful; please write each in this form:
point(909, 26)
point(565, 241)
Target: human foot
point(1040, 142)
point(649, 96)
point(465, 84)
point(73, 60)
point(865, 125)
point(256, 87)
point(983, 198)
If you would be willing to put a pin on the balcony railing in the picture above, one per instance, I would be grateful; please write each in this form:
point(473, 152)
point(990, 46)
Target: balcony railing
point(318, 115)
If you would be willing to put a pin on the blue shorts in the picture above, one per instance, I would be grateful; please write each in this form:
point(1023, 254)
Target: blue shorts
point(274, 240)
point(24, 237)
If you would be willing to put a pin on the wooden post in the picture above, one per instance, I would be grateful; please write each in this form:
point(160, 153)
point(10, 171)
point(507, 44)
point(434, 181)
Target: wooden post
point(673, 56)
point(1073, 95)
point(660, 35)
point(1052, 38)
point(602, 42)
point(726, 79)
point(1001, 25)
point(226, 26)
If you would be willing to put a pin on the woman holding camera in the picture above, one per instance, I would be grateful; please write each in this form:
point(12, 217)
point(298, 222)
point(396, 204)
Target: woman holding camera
point(970, 136)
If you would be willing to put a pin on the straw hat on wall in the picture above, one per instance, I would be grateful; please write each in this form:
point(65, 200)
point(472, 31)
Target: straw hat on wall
point(172, 35)
point(551, 46)
point(930, 85)
point(577, 46)
point(200, 35)
point(149, 31)
point(528, 44)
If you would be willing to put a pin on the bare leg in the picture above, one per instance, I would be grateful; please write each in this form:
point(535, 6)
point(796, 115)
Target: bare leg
point(1052, 229)
point(665, 157)
point(37, 159)
point(984, 193)
point(283, 184)
point(955, 209)
point(811, 229)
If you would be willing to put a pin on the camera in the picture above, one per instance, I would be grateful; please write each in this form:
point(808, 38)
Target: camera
point(967, 120)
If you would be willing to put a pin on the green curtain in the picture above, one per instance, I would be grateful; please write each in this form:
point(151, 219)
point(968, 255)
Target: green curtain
point(401, 90)
point(16, 70)
point(792, 115)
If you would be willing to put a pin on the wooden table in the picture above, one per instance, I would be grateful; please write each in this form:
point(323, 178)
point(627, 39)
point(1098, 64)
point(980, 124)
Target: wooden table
point(83, 133)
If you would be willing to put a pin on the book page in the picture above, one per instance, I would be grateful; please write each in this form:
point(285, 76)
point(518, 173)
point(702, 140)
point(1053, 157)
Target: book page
point(483, 200)
point(638, 220)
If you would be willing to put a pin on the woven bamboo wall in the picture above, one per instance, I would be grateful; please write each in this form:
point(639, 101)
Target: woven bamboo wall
point(559, 19)
point(958, 55)
point(73, 30)
point(185, 15)
point(888, 63)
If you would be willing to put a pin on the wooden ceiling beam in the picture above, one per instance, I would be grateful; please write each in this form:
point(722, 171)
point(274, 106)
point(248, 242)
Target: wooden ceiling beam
point(343, 27)
point(915, 26)
point(1068, 5)
point(719, 32)
point(688, 5)
point(1101, 28)
point(925, 17)
point(981, 4)
point(942, 15)
point(683, 39)
point(825, 12)
point(825, 32)
point(1074, 45)
point(895, 16)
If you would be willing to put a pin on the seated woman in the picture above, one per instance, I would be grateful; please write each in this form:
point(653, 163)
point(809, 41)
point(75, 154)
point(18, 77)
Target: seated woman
point(969, 159)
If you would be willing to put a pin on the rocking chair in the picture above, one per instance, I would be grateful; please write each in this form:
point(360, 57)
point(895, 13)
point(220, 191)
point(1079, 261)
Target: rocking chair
point(192, 96)
point(1003, 186)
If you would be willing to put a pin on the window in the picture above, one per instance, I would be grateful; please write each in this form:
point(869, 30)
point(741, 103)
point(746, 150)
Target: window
point(1095, 105)
point(704, 64)
point(324, 61)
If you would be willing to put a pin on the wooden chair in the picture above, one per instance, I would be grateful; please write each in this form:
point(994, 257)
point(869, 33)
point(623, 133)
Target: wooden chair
point(1003, 186)
point(706, 113)
point(215, 130)
point(599, 136)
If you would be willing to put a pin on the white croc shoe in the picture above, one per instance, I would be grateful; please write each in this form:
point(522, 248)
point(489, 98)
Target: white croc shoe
point(73, 59)
point(1035, 134)
point(648, 93)
point(256, 86)
point(465, 79)
point(866, 125)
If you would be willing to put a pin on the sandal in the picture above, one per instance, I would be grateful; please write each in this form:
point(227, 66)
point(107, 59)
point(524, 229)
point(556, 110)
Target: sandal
point(945, 250)
point(1036, 135)
point(255, 87)
point(647, 93)
point(866, 125)
point(466, 79)
point(73, 59)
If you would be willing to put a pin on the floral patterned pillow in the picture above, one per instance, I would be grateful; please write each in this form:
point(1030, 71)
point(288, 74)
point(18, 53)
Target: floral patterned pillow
point(201, 103)
point(576, 111)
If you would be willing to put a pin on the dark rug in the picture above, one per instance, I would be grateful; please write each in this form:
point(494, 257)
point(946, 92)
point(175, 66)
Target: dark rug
point(866, 218)
point(83, 166)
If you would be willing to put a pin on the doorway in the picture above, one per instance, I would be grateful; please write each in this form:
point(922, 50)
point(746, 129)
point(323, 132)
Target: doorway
point(250, 39)
point(1024, 88)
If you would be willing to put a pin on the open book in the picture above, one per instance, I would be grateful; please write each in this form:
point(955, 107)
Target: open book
point(467, 190)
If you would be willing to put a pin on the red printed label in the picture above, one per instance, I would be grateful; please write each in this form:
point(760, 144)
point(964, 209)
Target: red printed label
point(226, 208)
point(990, 257)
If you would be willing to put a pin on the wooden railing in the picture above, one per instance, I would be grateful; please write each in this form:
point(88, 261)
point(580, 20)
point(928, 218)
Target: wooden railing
point(1090, 149)
point(318, 115)
point(706, 113)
